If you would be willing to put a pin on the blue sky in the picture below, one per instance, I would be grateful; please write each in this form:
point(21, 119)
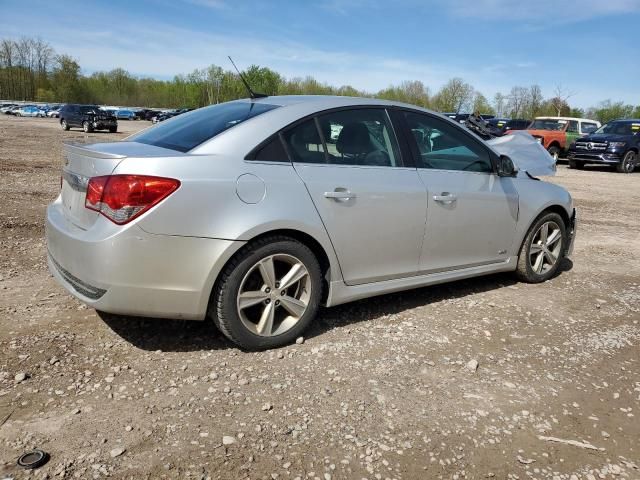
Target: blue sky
point(590, 47)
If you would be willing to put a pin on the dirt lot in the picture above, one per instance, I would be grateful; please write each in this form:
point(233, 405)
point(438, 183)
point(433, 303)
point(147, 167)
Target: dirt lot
point(379, 389)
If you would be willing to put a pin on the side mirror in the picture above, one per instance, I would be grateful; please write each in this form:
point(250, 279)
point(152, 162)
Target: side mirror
point(505, 167)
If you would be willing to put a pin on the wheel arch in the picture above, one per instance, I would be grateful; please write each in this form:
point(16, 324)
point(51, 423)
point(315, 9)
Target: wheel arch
point(328, 262)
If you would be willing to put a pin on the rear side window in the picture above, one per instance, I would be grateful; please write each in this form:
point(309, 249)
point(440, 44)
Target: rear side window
point(187, 131)
point(272, 152)
point(589, 127)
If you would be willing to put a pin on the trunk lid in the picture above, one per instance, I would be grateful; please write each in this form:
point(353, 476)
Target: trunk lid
point(81, 162)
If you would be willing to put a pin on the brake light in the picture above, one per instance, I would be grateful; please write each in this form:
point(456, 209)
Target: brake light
point(121, 198)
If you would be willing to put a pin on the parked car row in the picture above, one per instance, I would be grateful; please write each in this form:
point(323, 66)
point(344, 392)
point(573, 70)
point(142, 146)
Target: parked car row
point(557, 133)
point(162, 116)
point(27, 110)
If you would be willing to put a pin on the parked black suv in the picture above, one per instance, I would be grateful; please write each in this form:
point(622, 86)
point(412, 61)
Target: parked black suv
point(616, 143)
point(500, 126)
point(89, 117)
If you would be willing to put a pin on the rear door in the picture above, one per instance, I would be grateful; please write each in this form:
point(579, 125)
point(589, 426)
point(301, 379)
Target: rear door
point(472, 212)
point(74, 115)
point(373, 207)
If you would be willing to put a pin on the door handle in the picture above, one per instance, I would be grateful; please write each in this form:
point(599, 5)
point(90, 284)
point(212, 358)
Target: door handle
point(445, 197)
point(340, 195)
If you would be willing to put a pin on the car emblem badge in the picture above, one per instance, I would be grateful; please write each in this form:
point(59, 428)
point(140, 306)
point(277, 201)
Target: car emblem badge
point(589, 146)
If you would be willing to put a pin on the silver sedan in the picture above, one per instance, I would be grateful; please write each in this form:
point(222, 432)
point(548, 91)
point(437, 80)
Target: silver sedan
point(254, 213)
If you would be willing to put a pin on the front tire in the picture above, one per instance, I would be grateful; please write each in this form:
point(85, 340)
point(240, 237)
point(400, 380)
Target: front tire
point(268, 294)
point(86, 127)
point(113, 129)
point(543, 249)
point(628, 163)
point(554, 151)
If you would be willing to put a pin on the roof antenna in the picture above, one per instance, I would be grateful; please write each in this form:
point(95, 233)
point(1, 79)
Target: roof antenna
point(253, 95)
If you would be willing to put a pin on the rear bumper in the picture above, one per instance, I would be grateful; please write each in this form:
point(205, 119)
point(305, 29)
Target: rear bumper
point(604, 157)
point(134, 272)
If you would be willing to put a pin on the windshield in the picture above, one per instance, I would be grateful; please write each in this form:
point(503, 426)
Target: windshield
point(620, 128)
point(548, 124)
point(187, 131)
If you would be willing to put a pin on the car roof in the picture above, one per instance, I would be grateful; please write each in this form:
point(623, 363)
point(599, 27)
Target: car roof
point(234, 141)
point(625, 120)
point(567, 118)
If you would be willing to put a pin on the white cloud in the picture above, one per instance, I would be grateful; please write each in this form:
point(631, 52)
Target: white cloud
point(215, 4)
point(549, 11)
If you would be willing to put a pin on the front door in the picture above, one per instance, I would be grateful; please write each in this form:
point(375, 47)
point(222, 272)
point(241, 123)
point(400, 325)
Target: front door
point(371, 205)
point(573, 133)
point(472, 212)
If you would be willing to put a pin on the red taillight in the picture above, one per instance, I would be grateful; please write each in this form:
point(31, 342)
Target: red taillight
point(121, 198)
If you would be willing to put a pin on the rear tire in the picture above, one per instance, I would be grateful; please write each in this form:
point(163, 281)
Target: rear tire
point(113, 129)
point(542, 252)
point(628, 163)
point(554, 151)
point(577, 164)
point(64, 125)
point(271, 317)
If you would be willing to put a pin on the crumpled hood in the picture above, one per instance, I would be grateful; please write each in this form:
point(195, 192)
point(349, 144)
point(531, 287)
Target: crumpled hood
point(525, 152)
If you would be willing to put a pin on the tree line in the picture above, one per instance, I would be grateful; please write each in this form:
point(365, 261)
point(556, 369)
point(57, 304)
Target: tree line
point(31, 70)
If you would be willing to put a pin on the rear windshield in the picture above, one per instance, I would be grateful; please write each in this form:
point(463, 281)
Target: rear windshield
point(189, 130)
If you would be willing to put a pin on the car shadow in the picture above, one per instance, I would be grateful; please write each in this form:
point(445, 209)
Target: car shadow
point(152, 334)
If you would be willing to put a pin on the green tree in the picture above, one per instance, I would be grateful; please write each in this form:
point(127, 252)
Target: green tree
point(455, 96)
point(482, 105)
point(608, 110)
point(66, 79)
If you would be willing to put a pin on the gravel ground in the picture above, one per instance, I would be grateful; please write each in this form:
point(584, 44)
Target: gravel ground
point(484, 378)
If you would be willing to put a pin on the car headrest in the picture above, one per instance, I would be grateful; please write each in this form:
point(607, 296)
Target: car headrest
point(306, 134)
point(354, 139)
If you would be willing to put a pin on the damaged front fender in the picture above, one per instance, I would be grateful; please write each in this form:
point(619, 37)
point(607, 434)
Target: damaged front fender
point(525, 152)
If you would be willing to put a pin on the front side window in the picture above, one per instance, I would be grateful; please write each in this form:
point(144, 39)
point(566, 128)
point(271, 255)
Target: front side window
point(444, 147)
point(573, 127)
point(359, 137)
point(187, 131)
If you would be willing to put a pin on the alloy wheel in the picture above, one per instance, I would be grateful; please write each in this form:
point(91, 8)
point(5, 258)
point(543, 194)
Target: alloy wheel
point(274, 295)
point(628, 162)
point(546, 247)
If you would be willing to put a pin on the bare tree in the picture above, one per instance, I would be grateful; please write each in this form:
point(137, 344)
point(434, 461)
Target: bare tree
point(559, 101)
point(535, 102)
point(499, 101)
point(518, 98)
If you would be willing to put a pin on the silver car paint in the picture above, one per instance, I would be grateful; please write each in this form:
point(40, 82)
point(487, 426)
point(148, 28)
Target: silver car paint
point(165, 262)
